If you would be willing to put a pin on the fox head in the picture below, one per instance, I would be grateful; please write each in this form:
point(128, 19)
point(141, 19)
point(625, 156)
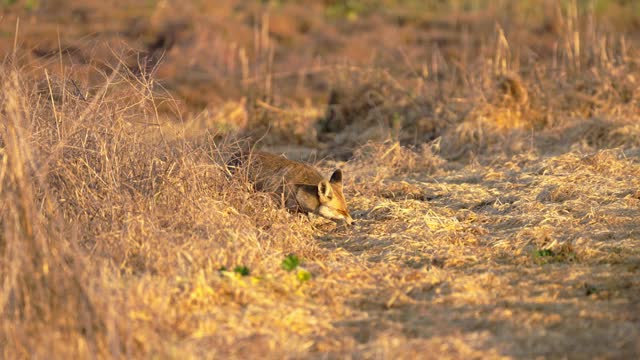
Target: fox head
point(332, 203)
point(330, 200)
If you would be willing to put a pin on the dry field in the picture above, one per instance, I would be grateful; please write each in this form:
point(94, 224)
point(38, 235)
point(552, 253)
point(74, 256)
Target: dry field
point(491, 154)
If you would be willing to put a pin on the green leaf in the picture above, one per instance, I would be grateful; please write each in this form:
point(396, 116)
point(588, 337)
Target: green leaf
point(242, 270)
point(544, 253)
point(290, 262)
point(303, 275)
point(590, 289)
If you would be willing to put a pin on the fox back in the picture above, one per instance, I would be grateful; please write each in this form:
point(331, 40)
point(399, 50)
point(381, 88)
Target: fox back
point(304, 189)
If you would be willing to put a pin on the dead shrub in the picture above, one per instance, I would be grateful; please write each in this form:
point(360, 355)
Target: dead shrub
point(373, 106)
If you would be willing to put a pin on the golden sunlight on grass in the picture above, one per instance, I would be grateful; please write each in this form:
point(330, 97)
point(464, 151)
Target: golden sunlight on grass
point(491, 160)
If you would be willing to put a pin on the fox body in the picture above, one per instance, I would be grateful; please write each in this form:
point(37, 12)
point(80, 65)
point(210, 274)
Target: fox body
point(301, 186)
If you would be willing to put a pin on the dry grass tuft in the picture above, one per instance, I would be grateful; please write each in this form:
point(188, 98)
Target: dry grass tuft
point(90, 207)
point(369, 105)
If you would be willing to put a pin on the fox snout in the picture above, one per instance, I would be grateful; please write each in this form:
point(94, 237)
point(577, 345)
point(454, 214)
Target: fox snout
point(337, 215)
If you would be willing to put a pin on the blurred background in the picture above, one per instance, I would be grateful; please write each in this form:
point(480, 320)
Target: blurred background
point(227, 66)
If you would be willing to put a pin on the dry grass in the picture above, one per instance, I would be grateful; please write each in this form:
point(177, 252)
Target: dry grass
point(496, 201)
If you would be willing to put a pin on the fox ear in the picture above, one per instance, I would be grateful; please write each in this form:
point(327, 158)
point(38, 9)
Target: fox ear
point(336, 177)
point(324, 191)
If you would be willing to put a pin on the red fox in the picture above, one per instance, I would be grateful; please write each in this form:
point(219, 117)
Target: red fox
point(303, 188)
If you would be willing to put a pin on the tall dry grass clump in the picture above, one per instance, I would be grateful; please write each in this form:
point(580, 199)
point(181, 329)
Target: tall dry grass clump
point(75, 178)
point(113, 238)
point(46, 300)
